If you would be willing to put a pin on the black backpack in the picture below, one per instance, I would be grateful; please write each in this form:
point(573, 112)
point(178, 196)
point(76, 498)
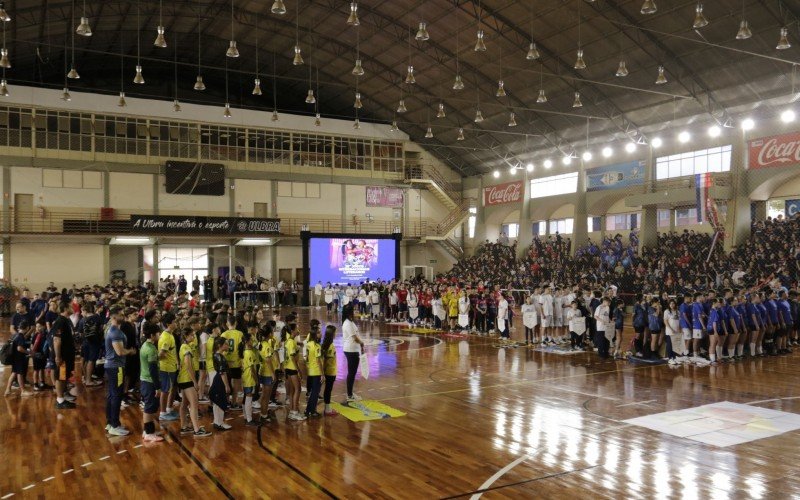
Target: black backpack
point(91, 328)
point(7, 351)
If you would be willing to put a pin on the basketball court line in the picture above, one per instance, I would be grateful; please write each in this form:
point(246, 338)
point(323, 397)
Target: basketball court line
point(199, 464)
point(497, 475)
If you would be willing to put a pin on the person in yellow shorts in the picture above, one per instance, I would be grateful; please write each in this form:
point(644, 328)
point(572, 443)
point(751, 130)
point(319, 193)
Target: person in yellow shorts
point(266, 350)
point(313, 369)
point(291, 353)
point(249, 377)
point(330, 369)
point(187, 383)
point(168, 367)
point(234, 358)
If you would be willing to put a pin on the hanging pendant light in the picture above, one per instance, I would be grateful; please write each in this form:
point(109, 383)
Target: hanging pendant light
point(422, 32)
point(298, 58)
point(138, 78)
point(478, 116)
point(352, 19)
point(4, 61)
point(458, 84)
point(542, 98)
point(744, 31)
point(501, 91)
point(83, 28)
point(358, 70)
point(232, 50)
point(394, 127)
point(622, 70)
point(227, 112)
point(783, 42)
point(410, 75)
point(257, 87)
point(579, 62)
point(310, 99)
point(357, 104)
point(65, 95)
point(274, 112)
point(480, 46)
point(356, 124)
point(429, 133)
point(176, 106)
point(121, 103)
point(533, 52)
point(441, 113)
point(512, 120)
point(3, 88)
point(3, 13)
point(401, 107)
point(699, 19)
point(661, 79)
point(577, 102)
point(317, 120)
point(198, 84)
point(278, 7)
point(160, 41)
point(460, 134)
point(649, 7)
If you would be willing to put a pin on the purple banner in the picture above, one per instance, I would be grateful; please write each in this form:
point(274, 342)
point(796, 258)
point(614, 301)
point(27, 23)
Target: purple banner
point(382, 196)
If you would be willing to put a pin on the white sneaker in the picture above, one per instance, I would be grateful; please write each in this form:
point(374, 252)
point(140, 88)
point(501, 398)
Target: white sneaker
point(119, 431)
point(353, 398)
point(151, 438)
point(256, 405)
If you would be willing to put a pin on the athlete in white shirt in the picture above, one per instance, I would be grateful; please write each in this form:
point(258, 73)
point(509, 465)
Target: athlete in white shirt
point(317, 294)
point(546, 301)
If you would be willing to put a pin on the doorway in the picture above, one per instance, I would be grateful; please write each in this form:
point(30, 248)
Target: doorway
point(261, 210)
point(23, 212)
point(285, 275)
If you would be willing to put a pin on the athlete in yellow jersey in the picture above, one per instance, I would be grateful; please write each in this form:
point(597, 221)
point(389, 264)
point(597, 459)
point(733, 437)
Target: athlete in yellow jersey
point(168, 367)
point(249, 362)
point(187, 383)
point(329, 368)
point(314, 366)
point(266, 351)
point(234, 359)
point(292, 379)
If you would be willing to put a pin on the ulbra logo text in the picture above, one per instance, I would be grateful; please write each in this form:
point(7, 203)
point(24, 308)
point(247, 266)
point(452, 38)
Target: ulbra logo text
point(776, 151)
point(504, 193)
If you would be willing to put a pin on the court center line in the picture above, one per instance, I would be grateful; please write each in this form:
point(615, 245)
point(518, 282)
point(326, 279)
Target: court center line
point(7, 495)
point(497, 475)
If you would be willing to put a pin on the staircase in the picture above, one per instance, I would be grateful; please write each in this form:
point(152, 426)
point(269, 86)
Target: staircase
point(448, 193)
point(452, 247)
point(456, 217)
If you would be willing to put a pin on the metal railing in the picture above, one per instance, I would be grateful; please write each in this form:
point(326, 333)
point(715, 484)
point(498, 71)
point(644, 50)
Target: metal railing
point(421, 172)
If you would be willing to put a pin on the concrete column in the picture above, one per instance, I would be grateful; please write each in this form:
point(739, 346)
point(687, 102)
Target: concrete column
point(648, 233)
point(525, 223)
point(155, 264)
point(580, 233)
point(6, 200)
point(738, 218)
point(106, 187)
point(759, 210)
point(273, 198)
point(232, 198)
point(156, 192)
point(344, 206)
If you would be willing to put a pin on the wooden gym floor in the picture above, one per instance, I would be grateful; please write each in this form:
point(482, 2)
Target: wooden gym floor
point(504, 423)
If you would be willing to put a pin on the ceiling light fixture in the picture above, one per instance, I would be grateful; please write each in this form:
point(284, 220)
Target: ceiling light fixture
point(394, 127)
point(480, 46)
point(3, 13)
point(661, 79)
point(458, 84)
point(138, 78)
point(357, 104)
point(65, 95)
point(542, 97)
point(577, 102)
point(649, 7)
point(3, 88)
point(422, 32)
point(441, 113)
point(121, 102)
point(684, 137)
point(410, 74)
point(160, 41)
point(278, 7)
point(298, 56)
point(567, 160)
point(352, 19)
point(748, 124)
point(496, 174)
point(83, 28)
point(699, 19)
point(512, 119)
point(587, 156)
point(787, 116)
point(744, 27)
point(548, 163)
point(73, 73)
point(460, 134)
point(622, 69)
point(656, 142)
point(429, 133)
point(579, 62)
point(607, 152)
point(533, 51)
point(232, 50)
point(198, 84)
point(630, 147)
point(529, 167)
point(257, 80)
point(783, 42)
point(714, 131)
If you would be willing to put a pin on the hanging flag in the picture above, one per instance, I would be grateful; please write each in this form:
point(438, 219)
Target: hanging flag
point(702, 182)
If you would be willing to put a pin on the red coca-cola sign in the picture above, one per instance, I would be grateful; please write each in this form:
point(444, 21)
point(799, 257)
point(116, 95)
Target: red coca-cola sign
point(776, 151)
point(510, 192)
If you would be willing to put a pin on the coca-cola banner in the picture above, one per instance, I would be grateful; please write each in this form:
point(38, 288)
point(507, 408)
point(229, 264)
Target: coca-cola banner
point(382, 196)
point(776, 151)
point(510, 192)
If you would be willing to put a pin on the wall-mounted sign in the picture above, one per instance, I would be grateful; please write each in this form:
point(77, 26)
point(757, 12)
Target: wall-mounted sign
point(776, 151)
point(615, 176)
point(383, 196)
point(500, 194)
point(173, 224)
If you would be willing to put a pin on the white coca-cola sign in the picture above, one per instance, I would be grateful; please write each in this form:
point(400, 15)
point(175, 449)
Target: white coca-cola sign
point(776, 151)
point(510, 192)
